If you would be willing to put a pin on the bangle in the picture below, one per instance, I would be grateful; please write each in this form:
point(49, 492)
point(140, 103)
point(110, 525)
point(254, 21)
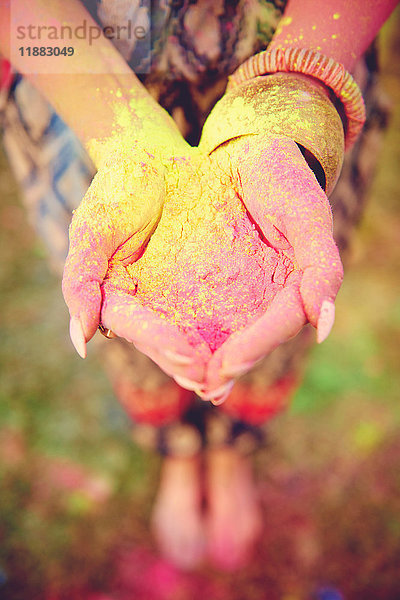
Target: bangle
point(317, 65)
point(283, 104)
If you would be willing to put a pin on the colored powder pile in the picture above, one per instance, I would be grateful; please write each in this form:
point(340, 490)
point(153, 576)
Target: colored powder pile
point(206, 267)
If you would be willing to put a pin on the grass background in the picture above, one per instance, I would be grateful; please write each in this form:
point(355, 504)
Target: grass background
point(329, 481)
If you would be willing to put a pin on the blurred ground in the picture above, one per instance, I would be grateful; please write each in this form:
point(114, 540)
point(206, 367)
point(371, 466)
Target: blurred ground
point(75, 491)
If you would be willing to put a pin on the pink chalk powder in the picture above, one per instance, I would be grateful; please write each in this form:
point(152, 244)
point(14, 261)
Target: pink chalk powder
point(207, 268)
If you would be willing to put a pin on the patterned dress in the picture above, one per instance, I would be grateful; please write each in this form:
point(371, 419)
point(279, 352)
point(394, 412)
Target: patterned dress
point(195, 46)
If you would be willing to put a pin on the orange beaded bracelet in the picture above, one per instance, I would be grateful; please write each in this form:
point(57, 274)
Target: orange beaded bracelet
point(314, 64)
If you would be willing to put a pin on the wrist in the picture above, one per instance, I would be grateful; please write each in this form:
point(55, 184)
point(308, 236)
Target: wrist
point(284, 104)
point(109, 112)
point(129, 120)
point(314, 64)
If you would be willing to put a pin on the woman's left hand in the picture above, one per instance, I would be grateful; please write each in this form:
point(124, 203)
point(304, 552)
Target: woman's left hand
point(285, 200)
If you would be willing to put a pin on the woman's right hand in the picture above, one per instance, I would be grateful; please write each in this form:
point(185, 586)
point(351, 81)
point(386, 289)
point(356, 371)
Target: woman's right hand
point(115, 218)
point(114, 221)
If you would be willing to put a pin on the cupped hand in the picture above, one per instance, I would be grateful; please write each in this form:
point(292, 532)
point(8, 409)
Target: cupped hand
point(113, 224)
point(205, 263)
point(284, 198)
point(242, 257)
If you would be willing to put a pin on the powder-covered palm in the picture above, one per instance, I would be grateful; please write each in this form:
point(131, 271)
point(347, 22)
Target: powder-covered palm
point(283, 197)
point(241, 258)
point(112, 225)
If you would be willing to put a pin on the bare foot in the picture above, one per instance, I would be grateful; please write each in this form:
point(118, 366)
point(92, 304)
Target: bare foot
point(177, 517)
point(234, 514)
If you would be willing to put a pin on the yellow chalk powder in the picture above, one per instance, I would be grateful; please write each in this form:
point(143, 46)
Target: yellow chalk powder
point(206, 267)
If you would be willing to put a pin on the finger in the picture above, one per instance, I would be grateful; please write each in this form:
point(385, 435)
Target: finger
point(116, 217)
point(283, 320)
point(319, 287)
point(91, 245)
point(156, 337)
point(84, 270)
point(219, 395)
point(283, 196)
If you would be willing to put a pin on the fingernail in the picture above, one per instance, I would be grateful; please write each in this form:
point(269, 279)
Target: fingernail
point(325, 320)
point(179, 359)
point(221, 400)
point(187, 383)
point(237, 370)
point(223, 390)
point(77, 336)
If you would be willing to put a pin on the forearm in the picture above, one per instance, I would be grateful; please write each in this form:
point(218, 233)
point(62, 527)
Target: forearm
point(111, 112)
point(341, 29)
point(103, 99)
